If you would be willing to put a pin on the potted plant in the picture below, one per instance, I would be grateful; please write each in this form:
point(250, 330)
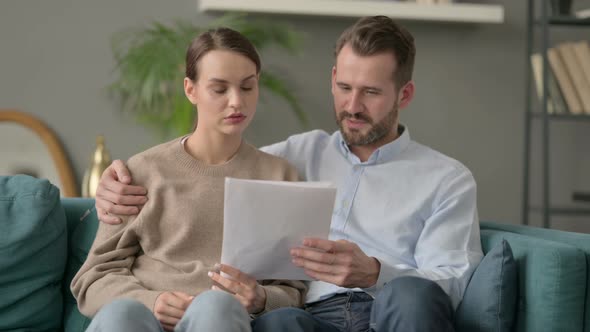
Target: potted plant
point(150, 66)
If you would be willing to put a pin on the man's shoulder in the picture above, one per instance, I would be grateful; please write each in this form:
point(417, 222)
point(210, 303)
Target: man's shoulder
point(312, 138)
point(299, 144)
point(436, 159)
point(275, 167)
point(266, 158)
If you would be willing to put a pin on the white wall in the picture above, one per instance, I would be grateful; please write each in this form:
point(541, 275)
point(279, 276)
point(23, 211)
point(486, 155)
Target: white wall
point(55, 62)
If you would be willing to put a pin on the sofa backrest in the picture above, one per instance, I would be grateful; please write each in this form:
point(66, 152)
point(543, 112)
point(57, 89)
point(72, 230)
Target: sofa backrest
point(553, 276)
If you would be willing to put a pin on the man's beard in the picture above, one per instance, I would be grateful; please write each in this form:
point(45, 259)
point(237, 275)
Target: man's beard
point(377, 131)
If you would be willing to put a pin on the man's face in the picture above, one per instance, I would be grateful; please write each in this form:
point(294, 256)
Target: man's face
point(366, 100)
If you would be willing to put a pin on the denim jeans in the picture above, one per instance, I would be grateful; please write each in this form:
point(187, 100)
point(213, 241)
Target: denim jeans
point(405, 304)
point(210, 311)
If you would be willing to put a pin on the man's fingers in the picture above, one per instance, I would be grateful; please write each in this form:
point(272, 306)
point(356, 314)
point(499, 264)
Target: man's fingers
point(314, 266)
point(107, 218)
point(121, 171)
point(109, 207)
point(118, 199)
point(122, 188)
point(314, 255)
point(322, 244)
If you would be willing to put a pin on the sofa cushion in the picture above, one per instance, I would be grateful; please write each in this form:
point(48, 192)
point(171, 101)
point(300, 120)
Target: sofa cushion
point(82, 225)
point(33, 247)
point(578, 240)
point(551, 282)
point(489, 302)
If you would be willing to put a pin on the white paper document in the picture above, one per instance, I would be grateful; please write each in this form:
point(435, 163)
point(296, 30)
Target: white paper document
point(263, 220)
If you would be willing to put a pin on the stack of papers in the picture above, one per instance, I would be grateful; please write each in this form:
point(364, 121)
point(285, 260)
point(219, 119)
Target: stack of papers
point(263, 220)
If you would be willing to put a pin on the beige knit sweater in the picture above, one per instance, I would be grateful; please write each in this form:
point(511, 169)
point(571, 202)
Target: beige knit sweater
point(176, 238)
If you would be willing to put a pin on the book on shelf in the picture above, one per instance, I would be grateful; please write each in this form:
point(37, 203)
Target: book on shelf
point(582, 51)
point(555, 102)
point(581, 196)
point(573, 66)
point(564, 80)
point(582, 13)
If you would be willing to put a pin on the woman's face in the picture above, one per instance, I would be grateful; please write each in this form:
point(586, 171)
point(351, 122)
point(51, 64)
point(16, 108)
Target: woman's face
point(225, 92)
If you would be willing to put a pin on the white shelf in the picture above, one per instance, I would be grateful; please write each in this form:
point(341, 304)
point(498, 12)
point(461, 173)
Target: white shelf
point(453, 12)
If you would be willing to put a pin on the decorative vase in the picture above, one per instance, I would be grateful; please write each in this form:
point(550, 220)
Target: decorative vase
point(99, 162)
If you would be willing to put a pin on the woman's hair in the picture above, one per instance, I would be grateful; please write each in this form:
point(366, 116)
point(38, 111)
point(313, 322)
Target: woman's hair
point(218, 39)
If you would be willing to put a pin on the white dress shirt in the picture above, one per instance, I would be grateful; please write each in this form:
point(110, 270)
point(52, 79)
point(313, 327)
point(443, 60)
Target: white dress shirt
point(412, 208)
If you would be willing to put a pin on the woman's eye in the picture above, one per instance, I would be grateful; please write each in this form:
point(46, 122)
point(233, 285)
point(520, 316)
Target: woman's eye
point(246, 88)
point(219, 91)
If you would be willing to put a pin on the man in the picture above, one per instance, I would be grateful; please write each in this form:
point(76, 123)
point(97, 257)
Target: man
point(404, 233)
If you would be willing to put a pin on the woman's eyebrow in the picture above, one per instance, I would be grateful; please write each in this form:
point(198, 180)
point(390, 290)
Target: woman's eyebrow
point(220, 80)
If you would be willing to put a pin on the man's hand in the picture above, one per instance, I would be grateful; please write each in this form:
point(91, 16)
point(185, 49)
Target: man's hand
point(115, 194)
point(170, 307)
point(243, 287)
point(340, 262)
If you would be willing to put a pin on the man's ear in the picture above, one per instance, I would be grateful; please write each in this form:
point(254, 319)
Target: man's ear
point(190, 90)
point(406, 94)
point(333, 79)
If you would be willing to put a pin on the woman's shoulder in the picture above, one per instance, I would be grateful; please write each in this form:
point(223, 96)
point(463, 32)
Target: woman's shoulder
point(153, 160)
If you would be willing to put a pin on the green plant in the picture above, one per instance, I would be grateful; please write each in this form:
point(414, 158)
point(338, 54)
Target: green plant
point(150, 64)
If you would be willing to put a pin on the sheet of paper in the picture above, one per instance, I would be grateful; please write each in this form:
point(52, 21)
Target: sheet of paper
point(263, 220)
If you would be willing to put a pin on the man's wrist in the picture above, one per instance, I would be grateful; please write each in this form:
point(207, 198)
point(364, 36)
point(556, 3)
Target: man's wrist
point(374, 277)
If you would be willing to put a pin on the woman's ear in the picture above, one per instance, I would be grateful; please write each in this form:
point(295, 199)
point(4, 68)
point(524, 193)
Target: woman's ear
point(190, 90)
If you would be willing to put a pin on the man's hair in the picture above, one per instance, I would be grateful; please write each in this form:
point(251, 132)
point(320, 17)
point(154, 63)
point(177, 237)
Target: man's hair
point(377, 34)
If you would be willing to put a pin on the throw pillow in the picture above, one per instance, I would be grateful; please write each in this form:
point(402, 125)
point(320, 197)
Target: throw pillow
point(489, 302)
point(33, 250)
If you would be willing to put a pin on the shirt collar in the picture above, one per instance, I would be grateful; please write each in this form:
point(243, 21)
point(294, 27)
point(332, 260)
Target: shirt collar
point(383, 154)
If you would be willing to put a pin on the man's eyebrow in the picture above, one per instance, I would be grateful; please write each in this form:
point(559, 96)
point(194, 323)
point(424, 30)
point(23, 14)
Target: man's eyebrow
point(365, 87)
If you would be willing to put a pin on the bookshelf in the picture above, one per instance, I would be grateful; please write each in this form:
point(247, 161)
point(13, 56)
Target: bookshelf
point(541, 26)
point(452, 12)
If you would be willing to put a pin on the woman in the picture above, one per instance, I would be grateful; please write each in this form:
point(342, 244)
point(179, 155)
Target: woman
point(160, 264)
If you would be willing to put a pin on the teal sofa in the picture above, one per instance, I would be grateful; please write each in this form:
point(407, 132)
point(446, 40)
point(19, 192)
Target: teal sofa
point(553, 282)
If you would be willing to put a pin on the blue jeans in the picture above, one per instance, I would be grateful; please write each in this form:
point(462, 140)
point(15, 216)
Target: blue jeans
point(405, 304)
point(210, 311)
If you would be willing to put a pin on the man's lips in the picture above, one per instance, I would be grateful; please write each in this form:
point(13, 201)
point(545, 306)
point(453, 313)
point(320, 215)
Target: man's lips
point(355, 123)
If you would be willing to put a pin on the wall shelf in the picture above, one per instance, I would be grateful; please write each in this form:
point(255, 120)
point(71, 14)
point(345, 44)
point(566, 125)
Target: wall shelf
point(454, 12)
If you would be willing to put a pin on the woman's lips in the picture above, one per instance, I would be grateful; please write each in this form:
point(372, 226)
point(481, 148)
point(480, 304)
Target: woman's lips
point(235, 118)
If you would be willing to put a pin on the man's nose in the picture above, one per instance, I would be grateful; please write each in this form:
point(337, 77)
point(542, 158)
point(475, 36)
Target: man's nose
point(355, 104)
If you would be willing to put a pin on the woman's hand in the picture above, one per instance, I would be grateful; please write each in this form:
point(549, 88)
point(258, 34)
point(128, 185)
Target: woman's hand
point(242, 286)
point(170, 307)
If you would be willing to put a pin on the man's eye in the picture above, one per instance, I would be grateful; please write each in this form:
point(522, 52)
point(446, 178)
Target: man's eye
point(371, 92)
point(246, 88)
point(219, 91)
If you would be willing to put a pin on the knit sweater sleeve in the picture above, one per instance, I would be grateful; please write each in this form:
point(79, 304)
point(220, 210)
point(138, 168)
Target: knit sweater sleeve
point(106, 273)
point(282, 293)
